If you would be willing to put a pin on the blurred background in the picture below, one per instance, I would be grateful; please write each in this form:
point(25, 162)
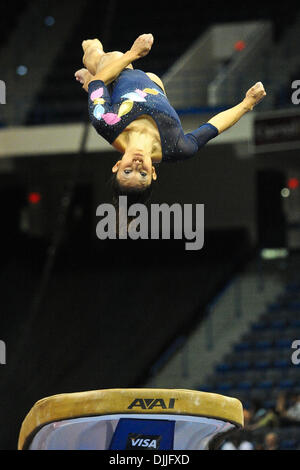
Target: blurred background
point(77, 313)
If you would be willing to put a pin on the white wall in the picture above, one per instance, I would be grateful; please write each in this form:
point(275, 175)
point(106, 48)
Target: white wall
point(65, 138)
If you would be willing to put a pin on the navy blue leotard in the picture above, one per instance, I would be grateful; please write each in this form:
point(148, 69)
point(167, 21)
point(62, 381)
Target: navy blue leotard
point(133, 94)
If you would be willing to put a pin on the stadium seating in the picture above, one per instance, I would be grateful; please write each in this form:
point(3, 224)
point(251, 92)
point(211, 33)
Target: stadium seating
point(260, 365)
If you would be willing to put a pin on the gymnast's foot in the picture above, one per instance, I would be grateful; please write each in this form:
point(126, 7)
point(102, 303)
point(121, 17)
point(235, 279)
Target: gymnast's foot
point(92, 43)
point(93, 51)
point(82, 75)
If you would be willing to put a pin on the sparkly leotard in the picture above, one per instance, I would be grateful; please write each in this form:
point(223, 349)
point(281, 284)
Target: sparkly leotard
point(134, 94)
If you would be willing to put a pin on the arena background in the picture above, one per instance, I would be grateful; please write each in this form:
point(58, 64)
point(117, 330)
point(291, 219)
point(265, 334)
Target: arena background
point(77, 313)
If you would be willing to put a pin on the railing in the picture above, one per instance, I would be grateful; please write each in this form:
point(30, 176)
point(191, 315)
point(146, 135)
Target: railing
point(231, 295)
point(227, 317)
point(245, 68)
point(186, 81)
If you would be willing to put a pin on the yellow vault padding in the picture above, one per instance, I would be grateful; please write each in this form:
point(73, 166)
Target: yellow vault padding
point(129, 401)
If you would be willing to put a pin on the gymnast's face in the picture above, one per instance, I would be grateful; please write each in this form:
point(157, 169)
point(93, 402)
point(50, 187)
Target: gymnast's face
point(135, 170)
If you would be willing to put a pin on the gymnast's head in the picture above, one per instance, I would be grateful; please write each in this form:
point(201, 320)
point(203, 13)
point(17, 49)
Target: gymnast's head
point(133, 176)
point(134, 172)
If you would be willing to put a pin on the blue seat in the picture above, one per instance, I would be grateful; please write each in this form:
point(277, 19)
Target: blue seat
point(265, 384)
point(286, 384)
point(294, 305)
point(283, 343)
point(245, 385)
point(265, 344)
point(259, 326)
point(288, 444)
point(241, 365)
point(244, 346)
point(224, 367)
point(292, 287)
point(223, 387)
point(247, 404)
point(274, 307)
point(277, 324)
point(295, 323)
point(263, 364)
point(281, 363)
point(269, 404)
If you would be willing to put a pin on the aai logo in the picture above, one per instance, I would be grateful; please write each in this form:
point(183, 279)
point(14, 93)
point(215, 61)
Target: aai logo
point(141, 441)
point(150, 403)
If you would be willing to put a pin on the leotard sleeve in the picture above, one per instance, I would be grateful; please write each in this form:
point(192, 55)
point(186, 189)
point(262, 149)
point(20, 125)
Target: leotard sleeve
point(189, 144)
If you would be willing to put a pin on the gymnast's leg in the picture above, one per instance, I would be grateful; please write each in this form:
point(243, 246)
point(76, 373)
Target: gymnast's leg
point(95, 59)
point(156, 80)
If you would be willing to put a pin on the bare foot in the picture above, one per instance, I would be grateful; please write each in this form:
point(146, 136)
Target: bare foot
point(92, 42)
point(93, 51)
point(82, 75)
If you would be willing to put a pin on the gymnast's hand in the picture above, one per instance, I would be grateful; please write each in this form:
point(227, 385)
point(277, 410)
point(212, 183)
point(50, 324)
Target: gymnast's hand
point(142, 45)
point(255, 94)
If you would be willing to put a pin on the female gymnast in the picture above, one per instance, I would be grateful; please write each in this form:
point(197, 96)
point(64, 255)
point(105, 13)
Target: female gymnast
point(129, 108)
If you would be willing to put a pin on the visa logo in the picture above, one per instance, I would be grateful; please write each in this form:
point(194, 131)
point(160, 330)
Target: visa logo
point(144, 443)
point(135, 441)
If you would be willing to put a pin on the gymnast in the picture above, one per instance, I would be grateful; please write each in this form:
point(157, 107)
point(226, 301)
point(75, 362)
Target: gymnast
point(129, 108)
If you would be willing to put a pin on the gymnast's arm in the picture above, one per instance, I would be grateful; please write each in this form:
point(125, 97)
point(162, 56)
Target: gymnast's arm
point(140, 48)
point(193, 141)
point(228, 118)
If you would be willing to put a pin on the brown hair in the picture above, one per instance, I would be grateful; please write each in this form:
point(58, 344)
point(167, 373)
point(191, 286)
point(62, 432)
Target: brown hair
point(141, 195)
